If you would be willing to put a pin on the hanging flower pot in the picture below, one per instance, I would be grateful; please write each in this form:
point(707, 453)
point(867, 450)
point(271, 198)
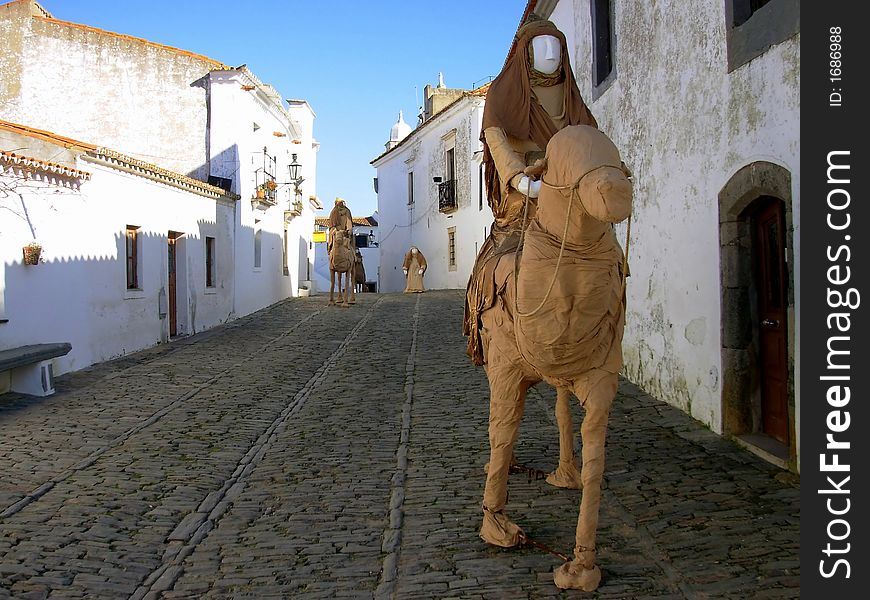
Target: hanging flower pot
point(261, 193)
point(31, 253)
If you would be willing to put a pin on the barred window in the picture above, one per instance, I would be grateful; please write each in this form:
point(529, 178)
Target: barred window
point(132, 257)
point(209, 262)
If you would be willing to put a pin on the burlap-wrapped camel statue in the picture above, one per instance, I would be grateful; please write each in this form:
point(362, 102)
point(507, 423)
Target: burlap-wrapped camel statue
point(554, 311)
point(342, 258)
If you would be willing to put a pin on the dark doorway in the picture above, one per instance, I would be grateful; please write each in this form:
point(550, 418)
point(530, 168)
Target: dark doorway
point(770, 271)
point(756, 269)
point(171, 269)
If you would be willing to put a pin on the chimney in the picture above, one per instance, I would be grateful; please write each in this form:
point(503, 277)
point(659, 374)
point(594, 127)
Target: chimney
point(437, 98)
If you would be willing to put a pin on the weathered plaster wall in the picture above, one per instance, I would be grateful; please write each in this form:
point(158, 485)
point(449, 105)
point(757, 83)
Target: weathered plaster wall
point(14, 19)
point(115, 91)
point(685, 126)
point(423, 224)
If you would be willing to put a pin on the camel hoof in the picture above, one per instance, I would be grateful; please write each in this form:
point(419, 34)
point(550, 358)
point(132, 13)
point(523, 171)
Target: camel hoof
point(571, 576)
point(498, 530)
point(565, 477)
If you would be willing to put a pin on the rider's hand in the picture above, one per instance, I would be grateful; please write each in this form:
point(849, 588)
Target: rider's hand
point(421, 271)
point(528, 187)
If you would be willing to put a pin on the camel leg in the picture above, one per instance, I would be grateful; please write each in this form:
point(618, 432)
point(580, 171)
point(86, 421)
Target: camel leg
point(566, 475)
point(344, 292)
point(332, 286)
point(506, 405)
point(599, 389)
point(352, 285)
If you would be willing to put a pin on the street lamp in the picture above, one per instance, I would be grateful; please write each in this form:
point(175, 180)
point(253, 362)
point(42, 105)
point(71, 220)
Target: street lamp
point(295, 178)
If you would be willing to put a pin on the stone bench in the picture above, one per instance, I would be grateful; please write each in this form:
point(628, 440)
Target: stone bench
point(28, 369)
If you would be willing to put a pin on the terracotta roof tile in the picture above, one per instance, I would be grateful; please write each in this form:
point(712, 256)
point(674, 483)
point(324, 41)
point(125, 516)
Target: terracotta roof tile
point(113, 157)
point(34, 164)
point(47, 136)
point(362, 221)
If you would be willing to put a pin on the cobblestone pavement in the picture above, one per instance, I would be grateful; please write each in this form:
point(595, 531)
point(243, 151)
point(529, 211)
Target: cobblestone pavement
point(309, 451)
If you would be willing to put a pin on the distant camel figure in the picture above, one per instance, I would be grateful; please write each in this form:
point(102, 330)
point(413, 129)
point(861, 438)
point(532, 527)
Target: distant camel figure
point(359, 272)
point(555, 313)
point(341, 262)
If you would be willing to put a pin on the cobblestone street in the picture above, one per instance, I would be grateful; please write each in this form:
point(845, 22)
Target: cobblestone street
point(311, 451)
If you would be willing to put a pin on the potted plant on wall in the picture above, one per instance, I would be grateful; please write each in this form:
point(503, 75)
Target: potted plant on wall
point(266, 189)
point(32, 251)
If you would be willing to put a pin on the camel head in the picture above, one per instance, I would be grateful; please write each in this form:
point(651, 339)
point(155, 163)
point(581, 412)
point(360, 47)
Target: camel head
point(583, 157)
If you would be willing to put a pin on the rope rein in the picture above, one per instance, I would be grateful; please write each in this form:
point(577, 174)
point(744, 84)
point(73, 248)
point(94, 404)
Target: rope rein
point(573, 187)
point(558, 260)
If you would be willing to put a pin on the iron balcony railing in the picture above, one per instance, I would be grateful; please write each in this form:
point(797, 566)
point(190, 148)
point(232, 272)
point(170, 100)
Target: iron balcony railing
point(447, 196)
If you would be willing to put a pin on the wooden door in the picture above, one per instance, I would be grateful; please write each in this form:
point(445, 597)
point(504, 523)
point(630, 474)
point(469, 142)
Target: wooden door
point(173, 305)
point(771, 283)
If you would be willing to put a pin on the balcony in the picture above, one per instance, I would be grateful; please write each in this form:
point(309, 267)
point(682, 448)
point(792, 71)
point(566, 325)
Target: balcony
point(295, 210)
point(447, 196)
point(265, 195)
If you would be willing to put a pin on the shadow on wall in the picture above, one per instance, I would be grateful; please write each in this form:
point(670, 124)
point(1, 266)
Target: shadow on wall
point(223, 169)
point(305, 264)
point(107, 309)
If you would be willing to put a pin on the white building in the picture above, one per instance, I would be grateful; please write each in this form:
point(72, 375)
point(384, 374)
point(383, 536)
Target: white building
point(197, 140)
point(431, 193)
point(253, 140)
point(131, 253)
point(703, 101)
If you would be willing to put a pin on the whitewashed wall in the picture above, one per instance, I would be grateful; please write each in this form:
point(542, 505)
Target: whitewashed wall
point(172, 108)
point(685, 126)
point(236, 150)
point(78, 293)
point(421, 223)
point(303, 116)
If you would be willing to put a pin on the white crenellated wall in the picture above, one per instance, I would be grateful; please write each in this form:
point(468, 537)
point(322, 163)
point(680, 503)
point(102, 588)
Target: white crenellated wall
point(421, 223)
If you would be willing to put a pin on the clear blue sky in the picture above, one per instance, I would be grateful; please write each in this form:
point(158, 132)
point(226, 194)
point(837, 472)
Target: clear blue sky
point(357, 63)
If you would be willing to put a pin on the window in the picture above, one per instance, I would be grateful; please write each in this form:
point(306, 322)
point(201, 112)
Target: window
point(451, 249)
point(410, 187)
point(602, 41)
point(258, 244)
point(361, 240)
point(132, 257)
point(209, 262)
point(753, 26)
point(744, 9)
point(447, 189)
